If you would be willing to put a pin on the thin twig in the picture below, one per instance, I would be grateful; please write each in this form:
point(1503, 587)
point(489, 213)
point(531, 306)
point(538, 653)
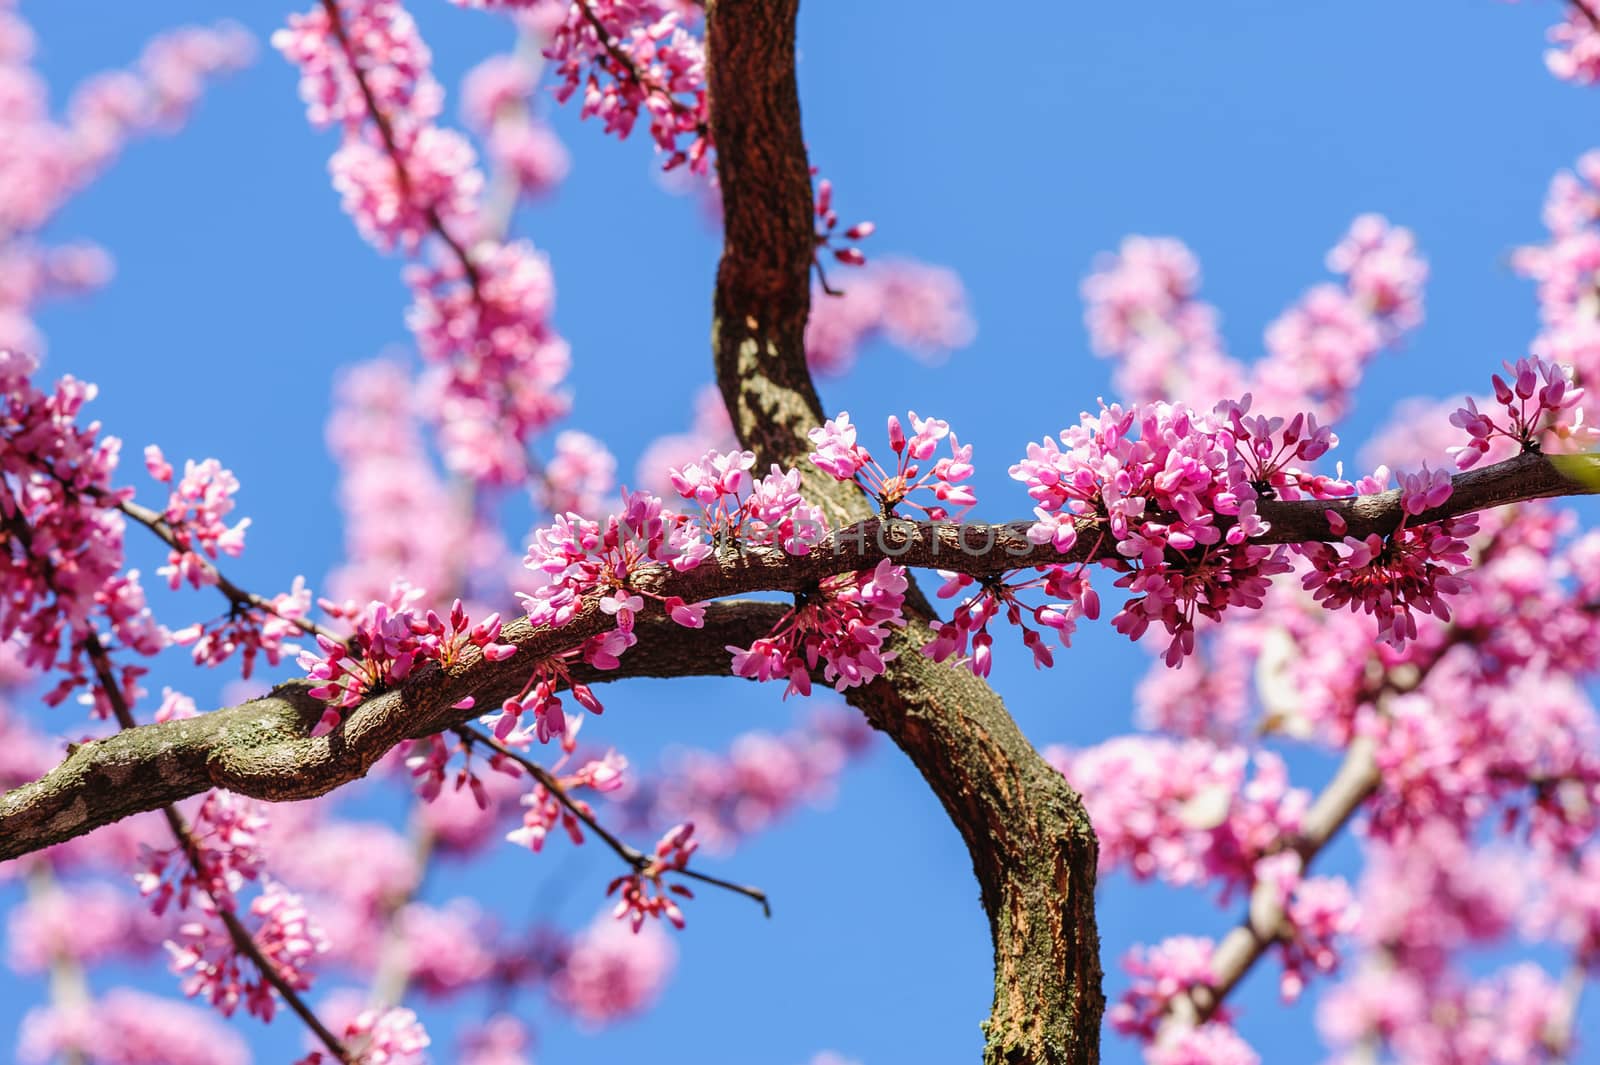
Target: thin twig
point(243, 941)
point(240, 598)
point(634, 857)
point(391, 146)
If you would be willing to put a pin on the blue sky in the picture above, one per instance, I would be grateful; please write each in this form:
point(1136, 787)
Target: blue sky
point(1012, 144)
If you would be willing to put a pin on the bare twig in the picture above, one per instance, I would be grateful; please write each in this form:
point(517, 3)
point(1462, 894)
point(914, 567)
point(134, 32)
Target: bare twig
point(630, 854)
point(239, 597)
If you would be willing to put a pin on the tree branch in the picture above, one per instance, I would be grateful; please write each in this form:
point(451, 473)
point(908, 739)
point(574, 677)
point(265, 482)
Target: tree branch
point(263, 749)
point(1355, 780)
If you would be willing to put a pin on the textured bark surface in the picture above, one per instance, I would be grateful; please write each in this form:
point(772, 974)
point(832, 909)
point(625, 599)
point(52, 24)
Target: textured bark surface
point(1030, 841)
point(264, 748)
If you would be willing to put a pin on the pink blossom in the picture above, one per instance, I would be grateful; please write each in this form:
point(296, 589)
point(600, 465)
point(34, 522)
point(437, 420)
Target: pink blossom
point(128, 1027)
point(633, 57)
point(441, 186)
point(645, 894)
point(760, 779)
point(841, 630)
point(194, 516)
point(611, 972)
point(1212, 1044)
point(580, 477)
point(284, 935)
point(838, 455)
point(391, 639)
point(501, 1040)
point(384, 43)
point(919, 308)
point(1575, 56)
point(385, 478)
point(226, 834)
point(1539, 406)
point(1161, 974)
point(497, 360)
point(1186, 812)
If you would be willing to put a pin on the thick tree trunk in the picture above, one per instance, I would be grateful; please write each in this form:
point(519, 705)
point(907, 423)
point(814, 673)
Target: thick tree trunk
point(1031, 844)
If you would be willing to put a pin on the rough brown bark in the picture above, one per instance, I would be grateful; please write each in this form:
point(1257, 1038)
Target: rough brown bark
point(1030, 841)
point(264, 748)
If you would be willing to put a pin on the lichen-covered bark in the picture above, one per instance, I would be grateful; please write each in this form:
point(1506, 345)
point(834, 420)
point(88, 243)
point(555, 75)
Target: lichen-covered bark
point(1030, 840)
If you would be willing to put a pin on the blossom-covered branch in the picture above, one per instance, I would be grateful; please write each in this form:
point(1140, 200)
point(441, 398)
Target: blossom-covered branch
point(243, 942)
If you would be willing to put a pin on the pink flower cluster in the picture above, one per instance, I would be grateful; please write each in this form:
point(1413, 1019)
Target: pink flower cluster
point(1161, 974)
point(55, 501)
point(385, 479)
point(574, 558)
point(383, 44)
point(841, 243)
point(1539, 404)
point(544, 811)
point(1575, 55)
point(839, 456)
point(498, 363)
point(735, 508)
point(1144, 312)
point(644, 893)
point(500, 1040)
point(128, 1027)
point(1186, 812)
point(481, 311)
point(580, 477)
point(284, 935)
point(761, 778)
point(79, 924)
point(1159, 477)
point(919, 308)
point(633, 57)
point(495, 101)
point(1068, 585)
point(540, 696)
point(390, 640)
point(440, 187)
point(391, 1036)
point(226, 834)
point(1412, 569)
point(251, 630)
point(194, 515)
point(610, 973)
point(840, 628)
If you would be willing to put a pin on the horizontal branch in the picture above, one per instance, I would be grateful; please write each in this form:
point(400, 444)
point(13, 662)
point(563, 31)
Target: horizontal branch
point(264, 749)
